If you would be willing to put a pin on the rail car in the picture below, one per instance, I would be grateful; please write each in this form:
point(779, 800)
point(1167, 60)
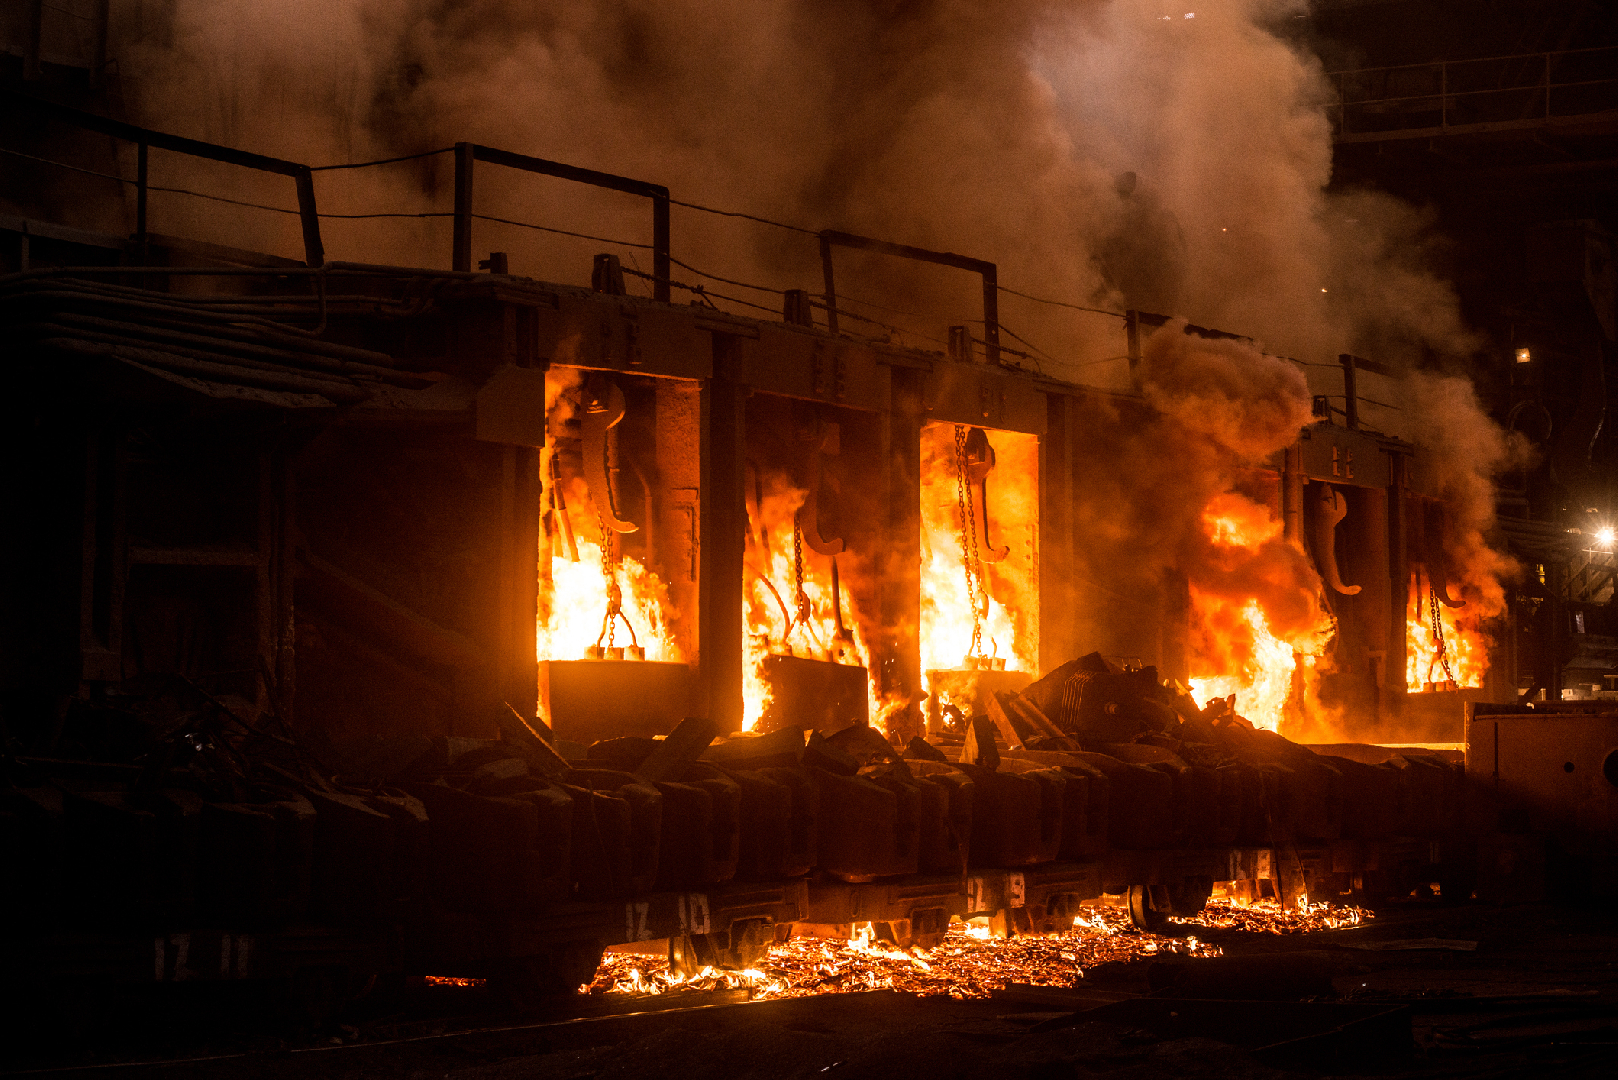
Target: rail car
point(282, 534)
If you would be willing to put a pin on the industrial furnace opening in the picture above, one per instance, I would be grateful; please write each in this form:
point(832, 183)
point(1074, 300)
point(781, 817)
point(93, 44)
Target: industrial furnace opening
point(611, 637)
point(980, 565)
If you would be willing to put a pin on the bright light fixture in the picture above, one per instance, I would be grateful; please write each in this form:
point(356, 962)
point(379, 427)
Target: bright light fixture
point(1523, 356)
point(1605, 537)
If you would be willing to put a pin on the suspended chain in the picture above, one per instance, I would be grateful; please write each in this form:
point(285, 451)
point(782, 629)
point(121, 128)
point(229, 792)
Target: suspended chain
point(611, 561)
point(800, 598)
point(1438, 632)
point(977, 597)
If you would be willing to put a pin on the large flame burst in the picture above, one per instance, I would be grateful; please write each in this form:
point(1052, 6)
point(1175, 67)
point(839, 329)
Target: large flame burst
point(1237, 650)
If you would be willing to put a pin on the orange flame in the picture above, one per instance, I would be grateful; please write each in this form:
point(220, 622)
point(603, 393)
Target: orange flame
point(1465, 647)
point(1010, 628)
point(769, 604)
point(578, 606)
point(1236, 648)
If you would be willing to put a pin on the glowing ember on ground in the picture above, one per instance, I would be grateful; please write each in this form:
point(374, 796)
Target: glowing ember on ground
point(1268, 917)
point(966, 964)
point(452, 980)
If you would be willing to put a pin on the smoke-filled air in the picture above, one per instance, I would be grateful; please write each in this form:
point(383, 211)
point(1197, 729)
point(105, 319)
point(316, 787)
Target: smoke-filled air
point(1111, 154)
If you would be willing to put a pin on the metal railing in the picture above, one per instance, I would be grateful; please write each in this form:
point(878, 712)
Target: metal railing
point(1489, 93)
point(468, 153)
point(830, 238)
point(145, 138)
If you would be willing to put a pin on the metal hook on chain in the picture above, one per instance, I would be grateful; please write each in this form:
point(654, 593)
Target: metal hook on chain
point(970, 563)
point(610, 563)
point(1438, 633)
point(977, 596)
point(804, 610)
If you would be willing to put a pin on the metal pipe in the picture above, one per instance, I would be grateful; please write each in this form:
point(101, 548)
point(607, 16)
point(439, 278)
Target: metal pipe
point(988, 271)
point(36, 31)
point(1351, 397)
point(660, 247)
point(201, 348)
point(991, 315)
point(99, 19)
point(314, 251)
point(461, 250)
point(830, 294)
point(131, 349)
point(1292, 480)
point(228, 325)
point(142, 154)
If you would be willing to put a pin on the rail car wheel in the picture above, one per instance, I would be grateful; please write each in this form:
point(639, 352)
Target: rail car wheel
point(561, 969)
point(928, 928)
point(749, 940)
point(1189, 896)
point(690, 953)
point(1149, 907)
point(316, 994)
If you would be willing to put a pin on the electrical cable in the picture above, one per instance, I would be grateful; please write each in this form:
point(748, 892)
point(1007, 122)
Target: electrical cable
point(700, 291)
point(716, 277)
point(1061, 303)
point(739, 214)
point(383, 161)
point(64, 165)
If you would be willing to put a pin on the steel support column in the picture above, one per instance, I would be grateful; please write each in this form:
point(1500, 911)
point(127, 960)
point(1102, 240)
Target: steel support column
point(723, 515)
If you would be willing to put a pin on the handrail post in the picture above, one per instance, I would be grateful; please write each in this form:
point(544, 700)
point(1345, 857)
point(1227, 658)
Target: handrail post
point(461, 252)
point(1351, 396)
point(141, 155)
point(991, 315)
point(660, 247)
point(314, 252)
point(831, 287)
point(1443, 94)
point(1547, 86)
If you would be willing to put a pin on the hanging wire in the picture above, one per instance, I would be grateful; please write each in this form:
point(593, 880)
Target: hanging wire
point(383, 161)
point(1061, 303)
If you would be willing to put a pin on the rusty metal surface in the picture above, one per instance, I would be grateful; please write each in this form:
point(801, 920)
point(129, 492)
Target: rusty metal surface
point(813, 694)
point(594, 699)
